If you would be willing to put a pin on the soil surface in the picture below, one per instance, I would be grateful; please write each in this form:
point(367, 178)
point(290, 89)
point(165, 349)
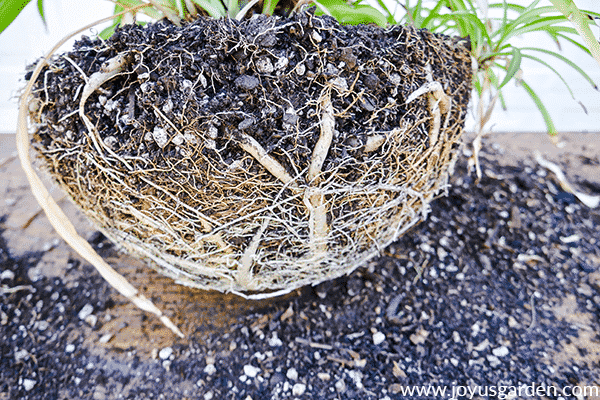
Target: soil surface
point(499, 286)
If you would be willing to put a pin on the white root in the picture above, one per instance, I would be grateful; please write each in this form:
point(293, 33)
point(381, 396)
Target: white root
point(249, 144)
point(439, 103)
point(59, 221)
point(244, 273)
point(324, 142)
point(314, 199)
point(109, 70)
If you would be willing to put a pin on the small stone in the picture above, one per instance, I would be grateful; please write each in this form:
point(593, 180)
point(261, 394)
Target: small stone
point(7, 274)
point(456, 337)
point(165, 353)
point(210, 369)
point(482, 346)
point(208, 396)
point(454, 362)
point(86, 311)
point(292, 374)
point(324, 376)
point(168, 106)
point(160, 137)
point(275, 341)
point(105, 338)
point(300, 69)
point(585, 290)
point(264, 65)
point(246, 123)
point(340, 83)
point(28, 384)
point(395, 388)
point(500, 351)
point(281, 63)
point(91, 320)
point(298, 389)
point(316, 37)
point(42, 325)
point(378, 338)
point(178, 140)
point(512, 322)
point(247, 82)
point(397, 371)
point(69, 348)
point(340, 386)
point(21, 355)
point(419, 337)
point(251, 371)
point(493, 360)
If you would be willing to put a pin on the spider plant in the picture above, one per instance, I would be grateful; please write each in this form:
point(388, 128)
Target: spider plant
point(177, 10)
point(492, 27)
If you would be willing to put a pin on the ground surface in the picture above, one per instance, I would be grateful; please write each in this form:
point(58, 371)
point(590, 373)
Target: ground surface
point(508, 294)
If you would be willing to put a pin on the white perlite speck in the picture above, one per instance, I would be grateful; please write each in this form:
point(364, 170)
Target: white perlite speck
point(210, 369)
point(378, 338)
point(70, 348)
point(275, 341)
point(28, 384)
point(251, 371)
point(160, 137)
point(298, 389)
point(165, 353)
point(292, 374)
point(86, 311)
point(500, 351)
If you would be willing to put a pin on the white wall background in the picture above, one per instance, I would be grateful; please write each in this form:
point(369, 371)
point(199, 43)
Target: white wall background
point(26, 40)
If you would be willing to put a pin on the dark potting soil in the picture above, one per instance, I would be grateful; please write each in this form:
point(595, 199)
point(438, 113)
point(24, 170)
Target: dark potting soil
point(262, 76)
point(499, 286)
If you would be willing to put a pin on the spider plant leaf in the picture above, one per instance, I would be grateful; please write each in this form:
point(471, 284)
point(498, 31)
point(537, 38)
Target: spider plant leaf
point(539, 24)
point(513, 67)
point(390, 16)
point(269, 7)
point(433, 13)
point(581, 22)
point(40, 5)
point(575, 42)
point(9, 10)
point(347, 14)
point(540, 105)
point(551, 68)
point(565, 60)
point(214, 8)
point(240, 15)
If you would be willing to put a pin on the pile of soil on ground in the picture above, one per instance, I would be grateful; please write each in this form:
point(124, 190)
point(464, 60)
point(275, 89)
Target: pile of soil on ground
point(254, 155)
point(500, 286)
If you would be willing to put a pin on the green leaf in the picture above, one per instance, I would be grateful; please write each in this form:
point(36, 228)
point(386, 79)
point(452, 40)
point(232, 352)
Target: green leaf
point(347, 14)
point(540, 105)
point(40, 4)
point(214, 8)
point(551, 68)
point(513, 67)
point(269, 7)
point(9, 10)
point(390, 16)
point(565, 60)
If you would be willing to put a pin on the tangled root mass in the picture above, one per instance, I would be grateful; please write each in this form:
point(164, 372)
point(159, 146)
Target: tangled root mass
point(259, 155)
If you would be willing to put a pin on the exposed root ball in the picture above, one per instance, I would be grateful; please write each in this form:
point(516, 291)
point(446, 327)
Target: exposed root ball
point(259, 155)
